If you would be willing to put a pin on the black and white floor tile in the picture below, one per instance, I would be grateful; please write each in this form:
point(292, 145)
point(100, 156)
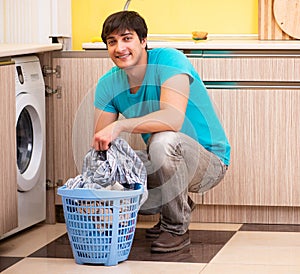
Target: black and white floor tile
point(215, 248)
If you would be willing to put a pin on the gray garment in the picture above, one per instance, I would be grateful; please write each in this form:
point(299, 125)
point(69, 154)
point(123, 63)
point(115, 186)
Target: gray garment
point(177, 164)
point(115, 169)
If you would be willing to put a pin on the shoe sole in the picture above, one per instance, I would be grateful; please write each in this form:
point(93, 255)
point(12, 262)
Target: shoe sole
point(171, 249)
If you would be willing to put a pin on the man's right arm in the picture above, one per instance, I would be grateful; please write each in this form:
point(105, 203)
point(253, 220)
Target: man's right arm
point(102, 120)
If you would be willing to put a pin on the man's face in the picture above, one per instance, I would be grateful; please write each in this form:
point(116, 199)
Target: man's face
point(125, 49)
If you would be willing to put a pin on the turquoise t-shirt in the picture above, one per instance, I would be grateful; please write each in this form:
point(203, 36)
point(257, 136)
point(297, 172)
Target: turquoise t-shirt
point(201, 121)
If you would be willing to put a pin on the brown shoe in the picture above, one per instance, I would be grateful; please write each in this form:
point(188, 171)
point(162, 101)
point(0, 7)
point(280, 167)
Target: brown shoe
point(169, 242)
point(154, 231)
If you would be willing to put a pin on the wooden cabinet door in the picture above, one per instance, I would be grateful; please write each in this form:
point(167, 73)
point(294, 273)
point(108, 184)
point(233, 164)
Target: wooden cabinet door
point(73, 113)
point(8, 171)
point(197, 64)
point(264, 131)
point(280, 67)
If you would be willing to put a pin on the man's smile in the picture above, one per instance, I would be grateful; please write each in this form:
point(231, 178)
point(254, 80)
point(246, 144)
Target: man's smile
point(123, 56)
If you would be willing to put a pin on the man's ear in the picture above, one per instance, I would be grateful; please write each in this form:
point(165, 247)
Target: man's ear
point(144, 42)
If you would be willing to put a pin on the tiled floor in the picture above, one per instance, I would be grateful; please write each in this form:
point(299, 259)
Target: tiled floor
point(215, 248)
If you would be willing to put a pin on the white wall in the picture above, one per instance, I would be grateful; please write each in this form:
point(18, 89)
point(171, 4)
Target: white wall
point(61, 18)
point(1, 21)
point(33, 21)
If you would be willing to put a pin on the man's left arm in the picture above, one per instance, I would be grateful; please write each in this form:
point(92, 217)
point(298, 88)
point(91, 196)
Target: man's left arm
point(170, 116)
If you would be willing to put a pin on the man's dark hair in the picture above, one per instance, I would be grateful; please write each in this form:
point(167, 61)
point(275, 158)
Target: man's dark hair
point(122, 21)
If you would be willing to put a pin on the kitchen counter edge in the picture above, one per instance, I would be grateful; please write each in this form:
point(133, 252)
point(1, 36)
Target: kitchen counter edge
point(8, 50)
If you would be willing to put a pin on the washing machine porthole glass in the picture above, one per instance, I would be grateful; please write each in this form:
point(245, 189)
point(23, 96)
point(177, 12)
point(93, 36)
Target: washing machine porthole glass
point(24, 140)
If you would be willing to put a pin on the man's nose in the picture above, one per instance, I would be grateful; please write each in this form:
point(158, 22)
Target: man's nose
point(120, 46)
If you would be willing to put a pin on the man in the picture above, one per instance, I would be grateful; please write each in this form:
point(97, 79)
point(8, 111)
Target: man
point(161, 97)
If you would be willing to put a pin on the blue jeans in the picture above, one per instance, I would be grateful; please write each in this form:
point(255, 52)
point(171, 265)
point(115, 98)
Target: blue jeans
point(176, 164)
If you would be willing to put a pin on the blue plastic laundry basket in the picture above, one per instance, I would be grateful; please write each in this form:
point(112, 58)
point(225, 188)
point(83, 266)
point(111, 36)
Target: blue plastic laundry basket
point(100, 223)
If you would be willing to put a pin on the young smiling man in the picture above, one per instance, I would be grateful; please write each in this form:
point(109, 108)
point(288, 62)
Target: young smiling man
point(163, 98)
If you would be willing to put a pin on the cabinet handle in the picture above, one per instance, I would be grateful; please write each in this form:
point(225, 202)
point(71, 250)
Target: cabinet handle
point(251, 85)
point(249, 53)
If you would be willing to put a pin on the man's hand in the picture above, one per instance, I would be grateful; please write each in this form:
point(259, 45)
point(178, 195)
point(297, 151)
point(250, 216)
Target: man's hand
point(105, 136)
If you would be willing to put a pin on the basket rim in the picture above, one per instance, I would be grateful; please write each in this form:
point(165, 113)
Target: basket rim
point(81, 193)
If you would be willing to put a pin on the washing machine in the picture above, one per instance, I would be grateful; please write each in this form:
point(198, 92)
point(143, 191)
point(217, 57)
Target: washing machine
point(31, 145)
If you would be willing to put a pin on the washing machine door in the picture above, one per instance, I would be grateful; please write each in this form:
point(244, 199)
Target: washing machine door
point(30, 139)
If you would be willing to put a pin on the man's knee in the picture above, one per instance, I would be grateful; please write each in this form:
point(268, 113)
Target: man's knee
point(163, 143)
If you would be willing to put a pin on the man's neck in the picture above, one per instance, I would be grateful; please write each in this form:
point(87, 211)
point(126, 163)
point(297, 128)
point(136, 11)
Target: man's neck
point(136, 75)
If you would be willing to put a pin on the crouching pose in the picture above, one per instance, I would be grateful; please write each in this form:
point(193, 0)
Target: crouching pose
point(163, 98)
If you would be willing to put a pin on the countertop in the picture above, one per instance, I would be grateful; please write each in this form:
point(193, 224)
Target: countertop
point(8, 50)
point(213, 42)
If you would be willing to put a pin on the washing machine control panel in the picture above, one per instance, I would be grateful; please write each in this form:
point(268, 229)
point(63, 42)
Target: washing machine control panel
point(29, 76)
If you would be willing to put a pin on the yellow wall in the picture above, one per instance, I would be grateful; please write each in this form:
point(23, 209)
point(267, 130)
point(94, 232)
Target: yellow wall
point(168, 16)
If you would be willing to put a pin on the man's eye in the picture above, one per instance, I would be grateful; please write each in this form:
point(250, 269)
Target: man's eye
point(111, 42)
point(127, 38)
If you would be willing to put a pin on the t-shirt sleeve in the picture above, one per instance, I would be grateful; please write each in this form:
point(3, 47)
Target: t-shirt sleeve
point(172, 62)
point(103, 99)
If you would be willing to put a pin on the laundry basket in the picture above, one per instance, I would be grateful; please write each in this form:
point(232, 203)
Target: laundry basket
point(100, 223)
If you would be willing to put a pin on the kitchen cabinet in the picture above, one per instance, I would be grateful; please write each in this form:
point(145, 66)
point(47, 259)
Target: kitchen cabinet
point(257, 96)
point(8, 175)
point(73, 112)
point(251, 65)
point(8, 159)
point(262, 128)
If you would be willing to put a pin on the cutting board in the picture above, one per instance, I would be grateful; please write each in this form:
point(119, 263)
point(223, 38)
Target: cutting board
point(287, 16)
point(268, 29)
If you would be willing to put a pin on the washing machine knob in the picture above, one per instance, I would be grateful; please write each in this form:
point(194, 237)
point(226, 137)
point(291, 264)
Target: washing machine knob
point(20, 74)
